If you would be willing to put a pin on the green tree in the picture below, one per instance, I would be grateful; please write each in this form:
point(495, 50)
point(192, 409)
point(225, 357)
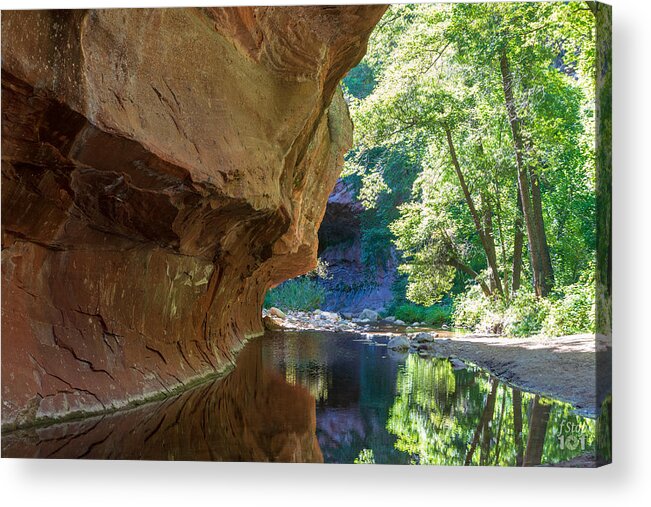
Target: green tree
point(492, 106)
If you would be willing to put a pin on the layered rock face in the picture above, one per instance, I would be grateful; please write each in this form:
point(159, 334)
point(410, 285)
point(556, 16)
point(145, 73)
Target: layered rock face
point(161, 169)
point(352, 284)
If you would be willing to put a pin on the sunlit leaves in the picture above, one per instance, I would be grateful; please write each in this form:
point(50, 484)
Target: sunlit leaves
point(372, 185)
point(435, 67)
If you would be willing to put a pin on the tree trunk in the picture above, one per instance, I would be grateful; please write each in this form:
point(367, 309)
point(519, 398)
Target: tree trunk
point(499, 428)
point(485, 236)
point(500, 231)
point(464, 268)
point(482, 425)
point(518, 243)
point(491, 251)
point(517, 426)
point(537, 431)
point(536, 200)
point(537, 242)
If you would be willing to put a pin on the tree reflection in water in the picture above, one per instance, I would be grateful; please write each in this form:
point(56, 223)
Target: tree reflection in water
point(316, 396)
point(446, 417)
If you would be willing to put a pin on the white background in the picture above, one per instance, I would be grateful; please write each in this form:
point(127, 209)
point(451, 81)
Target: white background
point(627, 481)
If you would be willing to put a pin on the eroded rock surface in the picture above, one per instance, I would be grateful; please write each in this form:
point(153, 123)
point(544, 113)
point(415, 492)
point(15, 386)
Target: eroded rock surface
point(353, 283)
point(160, 170)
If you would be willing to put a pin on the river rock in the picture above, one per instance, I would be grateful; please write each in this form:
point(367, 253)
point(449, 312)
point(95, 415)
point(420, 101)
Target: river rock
point(399, 322)
point(398, 343)
point(331, 316)
point(457, 364)
point(423, 337)
point(271, 323)
point(390, 318)
point(277, 312)
point(369, 315)
point(161, 169)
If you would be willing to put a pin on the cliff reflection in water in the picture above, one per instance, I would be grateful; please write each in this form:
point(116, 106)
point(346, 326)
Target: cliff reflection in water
point(252, 414)
point(317, 396)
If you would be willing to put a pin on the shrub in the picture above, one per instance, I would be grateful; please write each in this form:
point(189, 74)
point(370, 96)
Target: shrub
point(572, 311)
point(473, 310)
point(435, 315)
point(523, 315)
point(302, 293)
point(365, 457)
point(568, 311)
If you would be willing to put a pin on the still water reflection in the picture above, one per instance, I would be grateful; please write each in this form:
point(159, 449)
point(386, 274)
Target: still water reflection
point(325, 397)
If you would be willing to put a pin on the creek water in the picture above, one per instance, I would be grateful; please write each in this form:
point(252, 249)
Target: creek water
point(311, 396)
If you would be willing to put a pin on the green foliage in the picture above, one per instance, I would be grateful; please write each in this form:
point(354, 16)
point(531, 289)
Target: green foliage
point(372, 186)
point(431, 80)
point(564, 313)
point(359, 82)
point(435, 315)
point(438, 412)
point(303, 293)
point(604, 428)
point(572, 311)
point(473, 310)
point(366, 457)
point(524, 315)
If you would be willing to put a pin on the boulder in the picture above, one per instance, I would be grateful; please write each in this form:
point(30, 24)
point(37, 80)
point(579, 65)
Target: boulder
point(271, 323)
point(333, 316)
point(423, 337)
point(399, 322)
point(277, 312)
point(390, 318)
point(457, 364)
point(398, 343)
point(369, 315)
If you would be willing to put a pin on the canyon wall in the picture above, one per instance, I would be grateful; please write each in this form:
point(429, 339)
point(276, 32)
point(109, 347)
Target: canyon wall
point(352, 283)
point(161, 169)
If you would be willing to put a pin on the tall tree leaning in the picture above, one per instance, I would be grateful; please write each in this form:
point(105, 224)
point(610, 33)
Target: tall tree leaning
point(543, 275)
point(484, 232)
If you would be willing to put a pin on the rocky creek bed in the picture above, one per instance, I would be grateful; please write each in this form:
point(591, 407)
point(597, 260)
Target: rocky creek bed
point(309, 395)
point(564, 368)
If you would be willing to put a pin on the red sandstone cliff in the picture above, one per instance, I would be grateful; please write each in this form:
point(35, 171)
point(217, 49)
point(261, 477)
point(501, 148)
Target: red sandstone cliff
point(353, 283)
point(160, 170)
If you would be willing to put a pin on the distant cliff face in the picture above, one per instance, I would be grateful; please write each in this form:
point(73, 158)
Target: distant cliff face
point(352, 285)
point(160, 170)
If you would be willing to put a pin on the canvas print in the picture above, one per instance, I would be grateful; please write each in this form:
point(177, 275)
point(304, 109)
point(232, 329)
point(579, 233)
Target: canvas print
point(319, 234)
